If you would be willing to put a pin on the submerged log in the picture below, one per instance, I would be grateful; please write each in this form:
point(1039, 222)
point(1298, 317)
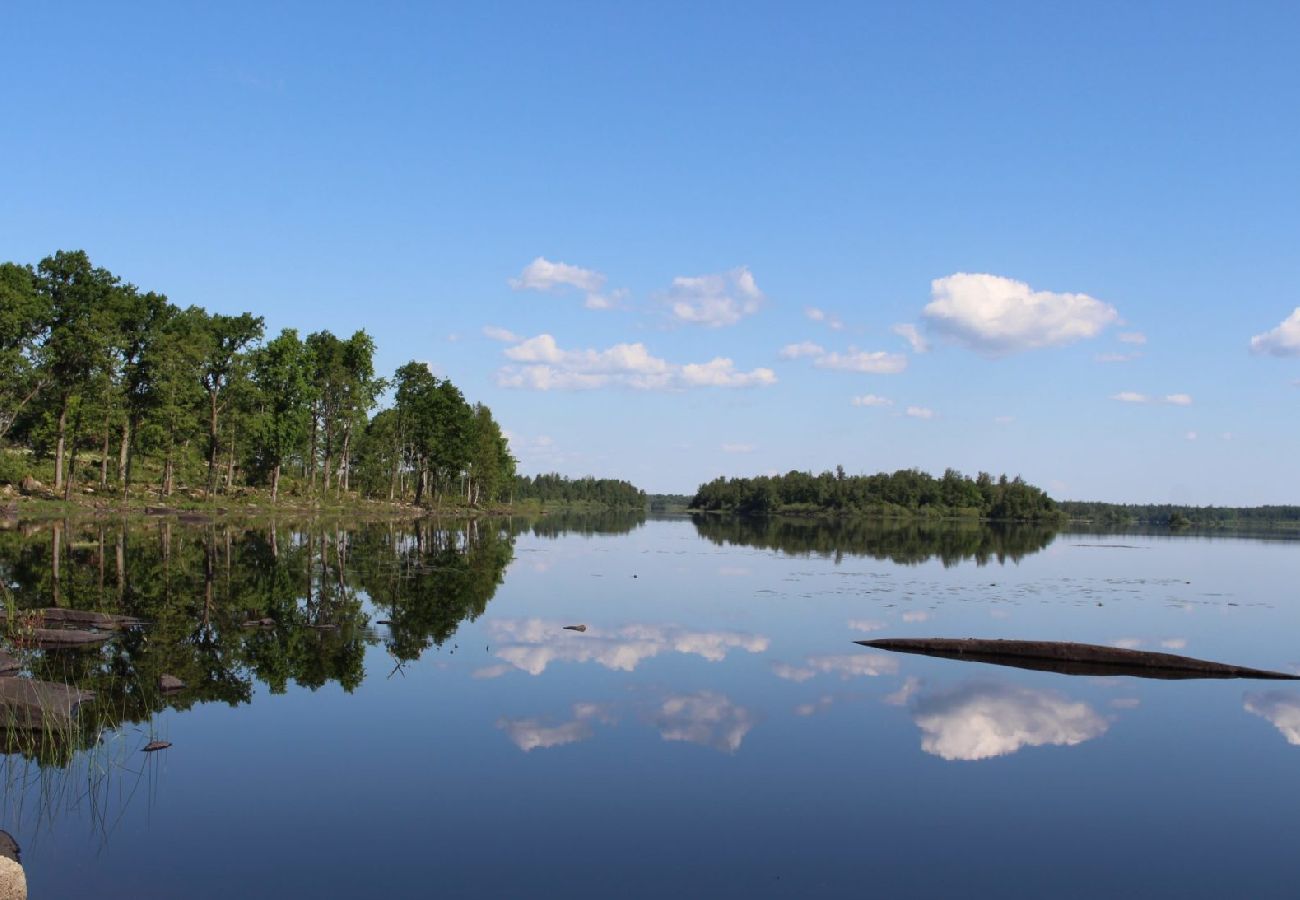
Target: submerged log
point(1072, 659)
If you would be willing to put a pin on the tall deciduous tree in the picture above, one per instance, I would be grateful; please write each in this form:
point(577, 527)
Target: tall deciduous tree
point(224, 337)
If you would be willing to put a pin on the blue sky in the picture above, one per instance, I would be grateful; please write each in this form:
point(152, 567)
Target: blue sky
point(1086, 212)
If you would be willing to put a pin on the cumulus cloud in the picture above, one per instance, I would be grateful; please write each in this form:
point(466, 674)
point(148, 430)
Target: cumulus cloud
point(556, 277)
point(1127, 643)
point(920, 412)
point(1116, 357)
point(873, 363)
point(1282, 708)
point(706, 718)
point(1136, 397)
point(540, 364)
point(981, 721)
point(913, 336)
point(911, 685)
point(531, 645)
point(501, 334)
point(802, 349)
point(1174, 643)
point(819, 315)
point(997, 316)
point(1284, 340)
point(871, 400)
point(715, 300)
point(1132, 337)
point(916, 615)
point(867, 625)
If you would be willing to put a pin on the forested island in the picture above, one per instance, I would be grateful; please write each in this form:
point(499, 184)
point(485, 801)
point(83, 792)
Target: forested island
point(903, 494)
point(111, 391)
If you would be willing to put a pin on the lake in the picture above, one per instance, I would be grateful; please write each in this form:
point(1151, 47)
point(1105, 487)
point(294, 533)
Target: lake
point(397, 709)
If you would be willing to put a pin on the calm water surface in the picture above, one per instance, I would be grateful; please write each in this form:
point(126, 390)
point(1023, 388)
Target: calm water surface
point(714, 732)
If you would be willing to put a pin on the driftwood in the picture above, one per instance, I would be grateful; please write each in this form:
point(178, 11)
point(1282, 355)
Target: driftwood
point(575, 627)
point(1072, 659)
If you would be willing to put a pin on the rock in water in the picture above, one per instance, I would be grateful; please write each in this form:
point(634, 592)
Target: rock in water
point(13, 881)
point(169, 683)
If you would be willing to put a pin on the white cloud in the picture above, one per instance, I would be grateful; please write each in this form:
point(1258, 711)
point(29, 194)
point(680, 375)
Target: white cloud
point(555, 277)
point(1132, 337)
point(913, 336)
point(1003, 420)
point(920, 412)
point(543, 365)
point(916, 615)
point(819, 315)
point(531, 645)
point(1282, 708)
point(501, 334)
point(802, 349)
point(715, 300)
point(737, 448)
point(871, 400)
point(875, 363)
point(1116, 357)
point(867, 625)
point(981, 721)
point(1128, 643)
point(997, 316)
point(1284, 340)
point(1191, 435)
point(1135, 397)
point(704, 718)
point(1174, 643)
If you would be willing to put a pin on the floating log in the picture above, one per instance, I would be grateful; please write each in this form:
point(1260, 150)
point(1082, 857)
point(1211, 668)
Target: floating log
point(575, 627)
point(1072, 659)
point(58, 616)
point(155, 745)
point(27, 703)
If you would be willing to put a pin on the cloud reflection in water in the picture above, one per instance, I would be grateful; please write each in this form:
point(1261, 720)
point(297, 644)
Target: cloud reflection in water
point(1279, 707)
point(984, 720)
point(704, 718)
point(533, 644)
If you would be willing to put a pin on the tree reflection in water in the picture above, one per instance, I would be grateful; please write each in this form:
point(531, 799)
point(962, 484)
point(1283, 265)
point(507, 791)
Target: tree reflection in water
point(232, 605)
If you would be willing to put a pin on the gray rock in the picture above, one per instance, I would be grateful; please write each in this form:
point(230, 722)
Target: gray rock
point(169, 683)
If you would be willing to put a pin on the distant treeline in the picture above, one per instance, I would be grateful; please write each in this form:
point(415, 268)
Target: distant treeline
point(905, 493)
point(1177, 516)
point(554, 488)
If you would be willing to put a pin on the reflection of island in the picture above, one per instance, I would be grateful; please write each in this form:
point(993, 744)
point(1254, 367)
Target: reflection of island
point(1282, 708)
point(596, 522)
point(982, 720)
point(530, 645)
point(902, 542)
